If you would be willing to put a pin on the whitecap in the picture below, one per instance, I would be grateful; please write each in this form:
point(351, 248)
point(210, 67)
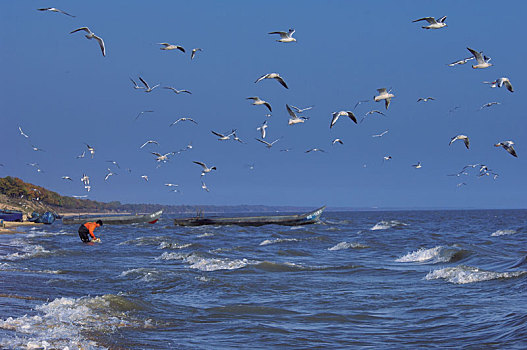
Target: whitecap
point(28, 251)
point(206, 234)
point(278, 240)
point(384, 225)
point(436, 254)
point(347, 245)
point(201, 263)
point(503, 233)
point(467, 274)
point(168, 245)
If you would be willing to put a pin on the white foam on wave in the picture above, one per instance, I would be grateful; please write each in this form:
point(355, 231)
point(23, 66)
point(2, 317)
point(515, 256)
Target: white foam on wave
point(503, 233)
point(206, 234)
point(61, 323)
point(143, 274)
point(169, 245)
point(436, 254)
point(41, 233)
point(278, 240)
point(26, 252)
point(347, 245)
point(467, 274)
point(206, 263)
point(384, 225)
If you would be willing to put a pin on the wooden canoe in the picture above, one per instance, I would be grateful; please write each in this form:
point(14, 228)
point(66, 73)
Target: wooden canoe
point(114, 220)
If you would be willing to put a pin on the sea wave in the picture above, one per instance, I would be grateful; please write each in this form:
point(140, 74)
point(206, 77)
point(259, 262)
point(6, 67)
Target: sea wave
point(503, 233)
point(348, 245)
point(202, 263)
point(63, 322)
point(169, 245)
point(26, 252)
point(467, 274)
point(384, 225)
point(144, 274)
point(278, 240)
point(434, 255)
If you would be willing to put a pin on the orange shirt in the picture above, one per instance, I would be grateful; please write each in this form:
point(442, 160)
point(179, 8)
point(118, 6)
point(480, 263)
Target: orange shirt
point(91, 226)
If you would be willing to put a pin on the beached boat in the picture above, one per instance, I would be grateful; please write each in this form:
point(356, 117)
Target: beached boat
point(114, 220)
point(11, 215)
point(289, 220)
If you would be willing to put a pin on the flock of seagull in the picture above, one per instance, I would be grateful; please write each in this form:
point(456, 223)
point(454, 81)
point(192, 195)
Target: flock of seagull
point(295, 113)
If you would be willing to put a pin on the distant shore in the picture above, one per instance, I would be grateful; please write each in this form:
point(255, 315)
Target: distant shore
point(11, 226)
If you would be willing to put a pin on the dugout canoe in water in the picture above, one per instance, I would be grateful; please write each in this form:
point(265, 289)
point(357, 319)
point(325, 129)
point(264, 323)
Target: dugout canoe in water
point(289, 220)
point(114, 220)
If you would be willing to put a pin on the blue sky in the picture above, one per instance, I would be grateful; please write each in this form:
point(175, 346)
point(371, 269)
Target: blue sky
point(63, 93)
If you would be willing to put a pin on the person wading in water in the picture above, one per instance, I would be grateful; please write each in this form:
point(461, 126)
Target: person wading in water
point(88, 228)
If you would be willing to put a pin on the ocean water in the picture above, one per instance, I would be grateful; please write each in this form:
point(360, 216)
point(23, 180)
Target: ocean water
point(401, 280)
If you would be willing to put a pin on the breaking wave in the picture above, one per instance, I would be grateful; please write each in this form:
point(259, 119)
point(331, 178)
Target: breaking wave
point(278, 240)
point(206, 263)
point(434, 255)
point(467, 274)
point(347, 245)
point(503, 233)
point(64, 322)
point(384, 225)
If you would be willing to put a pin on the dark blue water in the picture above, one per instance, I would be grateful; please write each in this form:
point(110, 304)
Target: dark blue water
point(412, 279)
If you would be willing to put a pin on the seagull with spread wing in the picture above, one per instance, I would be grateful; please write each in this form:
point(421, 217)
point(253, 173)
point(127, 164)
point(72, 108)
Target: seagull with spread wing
point(274, 76)
point(285, 37)
point(257, 101)
point(90, 36)
point(432, 22)
point(461, 137)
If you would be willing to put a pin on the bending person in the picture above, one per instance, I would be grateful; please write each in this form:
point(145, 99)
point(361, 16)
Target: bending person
point(87, 229)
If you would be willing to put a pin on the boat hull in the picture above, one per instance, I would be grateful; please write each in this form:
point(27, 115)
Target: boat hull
point(287, 220)
point(114, 220)
point(11, 215)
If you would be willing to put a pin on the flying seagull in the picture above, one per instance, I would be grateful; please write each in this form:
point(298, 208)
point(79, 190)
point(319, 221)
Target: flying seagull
point(425, 99)
point(370, 113)
point(337, 140)
point(147, 87)
point(384, 95)
point(315, 150)
point(275, 76)
point(162, 157)
point(53, 9)
point(507, 145)
point(267, 144)
point(114, 163)
point(204, 186)
point(285, 37)
point(381, 134)
point(223, 137)
point(483, 61)
point(262, 128)
point(385, 158)
point(184, 119)
point(418, 165)
point(461, 61)
point(110, 173)
point(500, 82)
point(300, 110)
point(22, 133)
point(194, 53)
point(145, 177)
point(461, 137)
point(149, 141)
point(90, 36)
point(67, 178)
point(37, 149)
point(176, 90)
point(206, 169)
point(489, 104)
point(336, 116)
point(294, 118)
point(432, 22)
point(257, 101)
point(135, 85)
point(168, 46)
point(81, 155)
point(91, 149)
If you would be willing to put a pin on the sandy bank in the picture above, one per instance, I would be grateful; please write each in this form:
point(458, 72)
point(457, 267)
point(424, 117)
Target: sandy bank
point(11, 227)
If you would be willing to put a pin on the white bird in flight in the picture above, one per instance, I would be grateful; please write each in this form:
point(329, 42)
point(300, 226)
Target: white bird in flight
point(204, 186)
point(461, 61)
point(257, 101)
point(418, 165)
point(381, 134)
point(162, 157)
point(223, 137)
point(336, 115)
point(90, 36)
point(167, 46)
point(176, 90)
point(206, 169)
point(147, 87)
point(184, 119)
point(54, 9)
point(300, 110)
point(508, 146)
point(461, 137)
point(22, 133)
point(294, 118)
point(489, 104)
point(432, 22)
point(337, 140)
point(91, 149)
point(384, 95)
point(500, 82)
point(483, 61)
point(145, 177)
point(67, 178)
point(262, 128)
point(268, 144)
point(141, 113)
point(148, 142)
point(425, 99)
point(110, 173)
point(275, 76)
point(193, 53)
point(285, 37)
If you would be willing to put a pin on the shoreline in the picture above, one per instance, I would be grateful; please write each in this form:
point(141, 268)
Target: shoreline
point(10, 227)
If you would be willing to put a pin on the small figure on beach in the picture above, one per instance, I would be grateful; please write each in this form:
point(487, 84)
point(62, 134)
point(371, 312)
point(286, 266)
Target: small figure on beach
point(88, 228)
